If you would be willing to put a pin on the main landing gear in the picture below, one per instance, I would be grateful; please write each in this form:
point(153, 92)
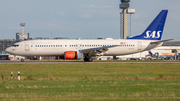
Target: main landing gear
point(88, 59)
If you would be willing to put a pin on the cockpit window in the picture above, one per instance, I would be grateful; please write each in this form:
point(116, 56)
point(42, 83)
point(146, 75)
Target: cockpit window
point(15, 45)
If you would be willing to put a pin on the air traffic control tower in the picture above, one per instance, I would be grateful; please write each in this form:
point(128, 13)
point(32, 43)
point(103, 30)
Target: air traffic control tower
point(123, 19)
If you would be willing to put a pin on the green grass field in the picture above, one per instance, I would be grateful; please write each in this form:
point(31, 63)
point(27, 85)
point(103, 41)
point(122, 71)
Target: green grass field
point(91, 81)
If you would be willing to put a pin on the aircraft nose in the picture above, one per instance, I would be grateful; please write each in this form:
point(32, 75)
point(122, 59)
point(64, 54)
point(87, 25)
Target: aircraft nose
point(8, 50)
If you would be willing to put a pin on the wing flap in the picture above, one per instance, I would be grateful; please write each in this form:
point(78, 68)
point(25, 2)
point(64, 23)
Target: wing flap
point(97, 50)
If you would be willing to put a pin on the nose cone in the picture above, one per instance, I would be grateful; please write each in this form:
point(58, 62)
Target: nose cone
point(8, 50)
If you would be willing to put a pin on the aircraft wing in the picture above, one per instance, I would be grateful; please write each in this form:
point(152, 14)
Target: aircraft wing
point(159, 42)
point(97, 50)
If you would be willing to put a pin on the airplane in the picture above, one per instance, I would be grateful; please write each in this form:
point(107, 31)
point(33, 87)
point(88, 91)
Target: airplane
point(151, 54)
point(86, 49)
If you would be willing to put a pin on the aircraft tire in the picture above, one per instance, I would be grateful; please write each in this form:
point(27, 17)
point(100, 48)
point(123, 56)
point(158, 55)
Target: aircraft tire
point(90, 59)
point(22, 60)
point(85, 59)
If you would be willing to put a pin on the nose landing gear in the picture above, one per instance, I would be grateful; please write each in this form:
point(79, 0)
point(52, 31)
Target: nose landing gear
point(22, 60)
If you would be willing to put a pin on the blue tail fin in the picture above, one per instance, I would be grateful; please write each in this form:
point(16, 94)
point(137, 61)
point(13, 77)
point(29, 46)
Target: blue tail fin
point(155, 29)
point(151, 54)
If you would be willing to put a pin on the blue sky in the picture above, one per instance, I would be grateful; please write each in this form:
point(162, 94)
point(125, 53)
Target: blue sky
point(83, 18)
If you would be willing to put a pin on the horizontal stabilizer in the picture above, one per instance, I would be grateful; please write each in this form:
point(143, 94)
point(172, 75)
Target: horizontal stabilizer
point(158, 42)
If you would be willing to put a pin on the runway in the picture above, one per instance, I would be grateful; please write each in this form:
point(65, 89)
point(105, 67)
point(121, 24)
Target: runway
point(52, 62)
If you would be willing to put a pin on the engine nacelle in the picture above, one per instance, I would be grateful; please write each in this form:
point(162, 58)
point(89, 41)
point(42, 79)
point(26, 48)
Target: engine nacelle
point(73, 55)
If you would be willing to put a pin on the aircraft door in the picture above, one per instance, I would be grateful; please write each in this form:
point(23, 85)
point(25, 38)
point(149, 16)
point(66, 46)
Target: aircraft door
point(26, 46)
point(139, 45)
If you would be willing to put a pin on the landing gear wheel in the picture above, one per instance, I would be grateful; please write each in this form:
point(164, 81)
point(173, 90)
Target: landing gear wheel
point(86, 59)
point(22, 60)
point(90, 59)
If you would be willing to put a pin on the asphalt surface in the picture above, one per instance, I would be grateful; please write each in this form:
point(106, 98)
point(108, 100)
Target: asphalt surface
point(48, 62)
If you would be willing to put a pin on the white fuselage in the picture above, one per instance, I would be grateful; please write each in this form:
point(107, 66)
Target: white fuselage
point(58, 47)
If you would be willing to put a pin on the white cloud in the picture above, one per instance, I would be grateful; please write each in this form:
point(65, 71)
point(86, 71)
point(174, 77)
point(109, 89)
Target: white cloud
point(60, 13)
point(107, 7)
point(86, 16)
